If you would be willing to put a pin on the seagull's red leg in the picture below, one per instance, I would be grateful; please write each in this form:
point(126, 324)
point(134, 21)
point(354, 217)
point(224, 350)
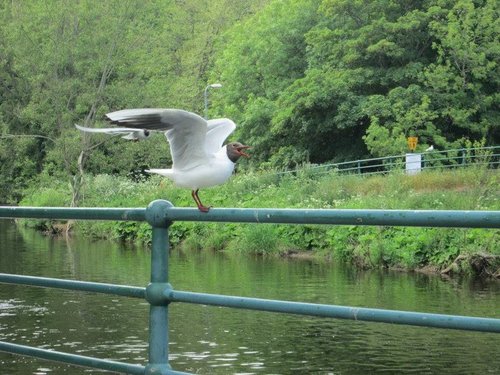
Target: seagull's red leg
point(201, 207)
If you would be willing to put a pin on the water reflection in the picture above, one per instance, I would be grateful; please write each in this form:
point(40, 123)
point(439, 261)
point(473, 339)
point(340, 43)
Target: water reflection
point(220, 341)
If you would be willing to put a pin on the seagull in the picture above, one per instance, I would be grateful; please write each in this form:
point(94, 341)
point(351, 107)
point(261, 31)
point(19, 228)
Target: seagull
point(199, 159)
point(431, 148)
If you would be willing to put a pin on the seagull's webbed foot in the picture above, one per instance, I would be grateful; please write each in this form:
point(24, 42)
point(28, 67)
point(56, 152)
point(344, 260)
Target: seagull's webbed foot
point(201, 207)
point(204, 208)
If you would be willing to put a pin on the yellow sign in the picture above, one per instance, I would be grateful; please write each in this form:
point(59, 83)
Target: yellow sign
point(412, 143)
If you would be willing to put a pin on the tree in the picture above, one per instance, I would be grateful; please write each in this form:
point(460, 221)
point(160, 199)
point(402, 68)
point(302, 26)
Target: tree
point(20, 158)
point(261, 56)
point(76, 61)
point(464, 80)
point(362, 55)
point(356, 78)
point(69, 53)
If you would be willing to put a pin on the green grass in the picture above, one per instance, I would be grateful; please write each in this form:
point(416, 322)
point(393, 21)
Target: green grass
point(410, 248)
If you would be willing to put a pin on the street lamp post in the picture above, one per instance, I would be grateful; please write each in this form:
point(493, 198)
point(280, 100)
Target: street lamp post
point(205, 95)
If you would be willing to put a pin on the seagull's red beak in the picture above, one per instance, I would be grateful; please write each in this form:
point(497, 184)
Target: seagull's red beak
point(241, 152)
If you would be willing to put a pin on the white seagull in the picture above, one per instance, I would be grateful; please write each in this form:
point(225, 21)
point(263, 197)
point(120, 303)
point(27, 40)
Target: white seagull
point(430, 148)
point(199, 159)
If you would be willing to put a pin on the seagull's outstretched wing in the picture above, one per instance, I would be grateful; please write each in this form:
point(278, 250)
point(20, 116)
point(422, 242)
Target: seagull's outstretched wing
point(218, 130)
point(185, 131)
point(128, 133)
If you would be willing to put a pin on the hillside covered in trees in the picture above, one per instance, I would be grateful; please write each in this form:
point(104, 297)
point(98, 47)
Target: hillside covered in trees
point(305, 80)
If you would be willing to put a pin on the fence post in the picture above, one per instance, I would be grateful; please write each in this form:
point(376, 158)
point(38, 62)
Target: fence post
point(158, 313)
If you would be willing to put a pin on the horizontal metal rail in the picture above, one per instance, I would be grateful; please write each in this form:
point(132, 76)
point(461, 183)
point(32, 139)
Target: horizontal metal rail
point(74, 213)
point(161, 214)
point(167, 295)
point(420, 218)
point(340, 312)
point(477, 163)
point(447, 158)
point(73, 359)
point(390, 168)
point(83, 286)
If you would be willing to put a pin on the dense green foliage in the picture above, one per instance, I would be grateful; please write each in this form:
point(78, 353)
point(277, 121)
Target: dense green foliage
point(64, 62)
point(338, 79)
point(468, 189)
point(305, 80)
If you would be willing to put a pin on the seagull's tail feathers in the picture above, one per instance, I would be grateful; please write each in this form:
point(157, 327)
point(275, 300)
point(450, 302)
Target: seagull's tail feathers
point(163, 172)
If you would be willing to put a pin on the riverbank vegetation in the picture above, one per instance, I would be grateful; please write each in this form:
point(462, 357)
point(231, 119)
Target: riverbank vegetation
point(306, 81)
point(445, 249)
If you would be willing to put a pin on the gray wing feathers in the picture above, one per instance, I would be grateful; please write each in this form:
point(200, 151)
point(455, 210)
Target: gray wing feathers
point(159, 119)
point(185, 131)
point(137, 118)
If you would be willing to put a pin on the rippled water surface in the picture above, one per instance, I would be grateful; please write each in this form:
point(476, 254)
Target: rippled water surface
point(211, 340)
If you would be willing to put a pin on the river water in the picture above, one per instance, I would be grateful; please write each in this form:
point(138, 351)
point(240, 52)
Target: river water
point(212, 340)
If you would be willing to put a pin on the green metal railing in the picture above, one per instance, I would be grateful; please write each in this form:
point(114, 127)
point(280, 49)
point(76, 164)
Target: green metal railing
point(488, 157)
point(159, 293)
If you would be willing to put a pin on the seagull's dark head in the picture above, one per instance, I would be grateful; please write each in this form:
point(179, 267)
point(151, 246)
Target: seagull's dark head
point(235, 150)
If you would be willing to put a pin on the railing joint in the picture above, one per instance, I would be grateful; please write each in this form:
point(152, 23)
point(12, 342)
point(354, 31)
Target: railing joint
point(156, 213)
point(156, 294)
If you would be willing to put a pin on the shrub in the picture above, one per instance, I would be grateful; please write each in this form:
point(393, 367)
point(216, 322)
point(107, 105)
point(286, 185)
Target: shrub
point(471, 188)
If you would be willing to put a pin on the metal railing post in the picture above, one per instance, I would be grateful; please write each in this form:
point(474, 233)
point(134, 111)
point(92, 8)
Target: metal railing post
point(158, 313)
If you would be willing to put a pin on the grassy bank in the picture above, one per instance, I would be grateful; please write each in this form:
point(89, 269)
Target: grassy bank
point(453, 250)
